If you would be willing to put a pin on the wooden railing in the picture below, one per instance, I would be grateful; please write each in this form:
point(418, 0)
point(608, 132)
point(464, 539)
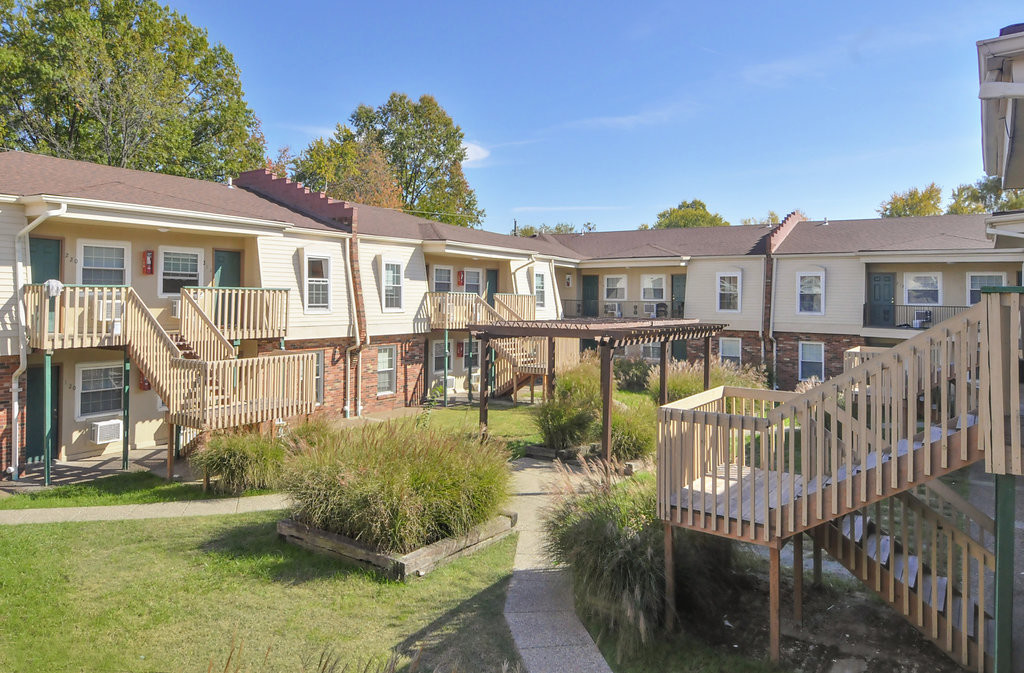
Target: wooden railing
point(1000, 380)
point(858, 355)
point(244, 312)
point(83, 316)
point(901, 418)
point(198, 330)
point(455, 310)
point(516, 306)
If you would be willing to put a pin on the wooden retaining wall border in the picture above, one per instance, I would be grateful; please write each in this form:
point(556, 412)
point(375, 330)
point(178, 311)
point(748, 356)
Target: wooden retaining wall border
point(398, 567)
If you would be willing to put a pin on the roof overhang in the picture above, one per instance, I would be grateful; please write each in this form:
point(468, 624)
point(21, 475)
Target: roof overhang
point(1001, 90)
point(943, 256)
point(630, 262)
point(481, 251)
point(152, 217)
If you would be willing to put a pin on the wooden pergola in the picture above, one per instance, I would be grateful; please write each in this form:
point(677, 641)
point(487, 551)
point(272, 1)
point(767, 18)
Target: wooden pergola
point(609, 335)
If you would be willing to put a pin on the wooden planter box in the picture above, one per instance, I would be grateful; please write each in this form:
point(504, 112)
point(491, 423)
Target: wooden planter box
point(414, 564)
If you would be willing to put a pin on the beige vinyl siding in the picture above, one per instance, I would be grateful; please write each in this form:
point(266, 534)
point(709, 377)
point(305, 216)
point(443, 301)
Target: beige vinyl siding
point(843, 300)
point(282, 264)
point(702, 291)
point(634, 285)
point(572, 292)
point(413, 317)
point(12, 220)
point(954, 276)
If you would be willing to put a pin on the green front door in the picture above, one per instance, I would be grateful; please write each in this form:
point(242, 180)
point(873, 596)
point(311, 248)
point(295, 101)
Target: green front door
point(678, 294)
point(227, 268)
point(589, 308)
point(44, 256)
point(492, 285)
point(34, 448)
point(882, 296)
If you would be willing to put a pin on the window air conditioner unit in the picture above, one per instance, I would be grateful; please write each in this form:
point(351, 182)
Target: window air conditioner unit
point(651, 310)
point(449, 383)
point(474, 381)
point(105, 432)
point(611, 310)
point(176, 308)
point(922, 318)
point(113, 309)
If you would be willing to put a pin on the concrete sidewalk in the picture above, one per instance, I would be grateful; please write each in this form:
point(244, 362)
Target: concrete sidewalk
point(539, 608)
point(156, 510)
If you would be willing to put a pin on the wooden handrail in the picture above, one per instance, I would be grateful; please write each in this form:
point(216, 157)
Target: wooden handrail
point(199, 331)
point(516, 306)
point(244, 312)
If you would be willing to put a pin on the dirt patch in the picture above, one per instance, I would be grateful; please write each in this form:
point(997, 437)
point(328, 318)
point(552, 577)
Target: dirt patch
point(845, 628)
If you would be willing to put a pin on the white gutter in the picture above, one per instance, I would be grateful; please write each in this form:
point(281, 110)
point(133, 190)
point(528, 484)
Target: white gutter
point(531, 261)
point(355, 329)
point(992, 231)
point(21, 252)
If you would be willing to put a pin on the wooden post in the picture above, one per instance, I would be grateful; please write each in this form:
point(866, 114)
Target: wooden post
point(444, 381)
point(774, 581)
point(670, 580)
point(469, 381)
point(549, 380)
point(707, 363)
point(607, 385)
point(126, 387)
point(47, 412)
point(816, 562)
point(1005, 485)
point(798, 578)
point(172, 442)
point(485, 383)
point(663, 391)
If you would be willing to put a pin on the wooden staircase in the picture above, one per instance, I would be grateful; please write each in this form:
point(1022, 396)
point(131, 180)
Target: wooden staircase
point(855, 463)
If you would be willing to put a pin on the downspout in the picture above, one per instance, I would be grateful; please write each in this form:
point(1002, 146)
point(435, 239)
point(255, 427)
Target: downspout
point(771, 328)
point(515, 270)
point(355, 278)
point(21, 251)
point(355, 324)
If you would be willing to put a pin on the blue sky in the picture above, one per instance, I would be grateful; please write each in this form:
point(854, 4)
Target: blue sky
point(611, 112)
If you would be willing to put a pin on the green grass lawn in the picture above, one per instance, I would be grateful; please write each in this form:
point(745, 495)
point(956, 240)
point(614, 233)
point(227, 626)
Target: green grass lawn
point(129, 488)
point(513, 424)
point(173, 595)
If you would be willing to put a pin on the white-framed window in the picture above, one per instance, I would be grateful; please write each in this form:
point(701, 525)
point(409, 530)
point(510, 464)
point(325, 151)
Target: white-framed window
point(652, 287)
point(730, 349)
point(538, 289)
point(100, 389)
point(976, 281)
point(614, 288)
point(319, 377)
point(442, 279)
point(922, 288)
point(651, 351)
point(386, 377)
point(810, 292)
point(471, 354)
point(179, 267)
point(318, 284)
point(474, 281)
point(391, 285)
point(104, 262)
point(439, 358)
point(729, 300)
point(812, 360)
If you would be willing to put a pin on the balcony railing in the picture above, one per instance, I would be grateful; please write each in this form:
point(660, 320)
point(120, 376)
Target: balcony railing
point(908, 317)
point(858, 355)
point(601, 308)
point(244, 312)
point(82, 316)
point(455, 310)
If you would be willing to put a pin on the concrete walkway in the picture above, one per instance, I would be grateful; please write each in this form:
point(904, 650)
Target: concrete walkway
point(156, 510)
point(539, 608)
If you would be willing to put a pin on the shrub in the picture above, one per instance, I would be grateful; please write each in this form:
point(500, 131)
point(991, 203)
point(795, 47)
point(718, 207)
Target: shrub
point(685, 378)
point(394, 486)
point(581, 384)
point(634, 431)
point(242, 460)
point(632, 373)
point(614, 542)
point(563, 424)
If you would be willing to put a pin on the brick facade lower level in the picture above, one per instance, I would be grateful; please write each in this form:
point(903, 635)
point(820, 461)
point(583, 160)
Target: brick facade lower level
point(788, 354)
point(8, 365)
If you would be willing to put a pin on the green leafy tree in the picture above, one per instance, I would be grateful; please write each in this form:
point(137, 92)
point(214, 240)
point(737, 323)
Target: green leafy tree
point(348, 168)
point(984, 196)
point(122, 82)
point(424, 148)
point(771, 218)
point(560, 228)
point(913, 203)
point(689, 214)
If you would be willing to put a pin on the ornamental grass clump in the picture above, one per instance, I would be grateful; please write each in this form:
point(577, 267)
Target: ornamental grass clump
point(240, 461)
point(685, 378)
point(634, 431)
point(612, 539)
point(394, 486)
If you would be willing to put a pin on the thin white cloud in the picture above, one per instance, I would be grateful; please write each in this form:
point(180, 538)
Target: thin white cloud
point(475, 154)
point(544, 209)
point(311, 130)
point(648, 117)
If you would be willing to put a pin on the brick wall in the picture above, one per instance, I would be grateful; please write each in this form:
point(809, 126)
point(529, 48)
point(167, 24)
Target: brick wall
point(7, 367)
point(788, 366)
point(751, 346)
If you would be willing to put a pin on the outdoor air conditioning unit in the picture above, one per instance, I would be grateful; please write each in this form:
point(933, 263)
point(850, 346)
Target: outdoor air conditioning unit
point(474, 381)
point(449, 383)
point(922, 318)
point(611, 310)
point(113, 310)
point(651, 310)
point(176, 308)
point(105, 432)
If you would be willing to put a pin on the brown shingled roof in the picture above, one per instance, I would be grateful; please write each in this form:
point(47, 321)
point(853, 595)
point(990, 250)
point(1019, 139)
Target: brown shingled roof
point(686, 242)
point(24, 174)
point(937, 232)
